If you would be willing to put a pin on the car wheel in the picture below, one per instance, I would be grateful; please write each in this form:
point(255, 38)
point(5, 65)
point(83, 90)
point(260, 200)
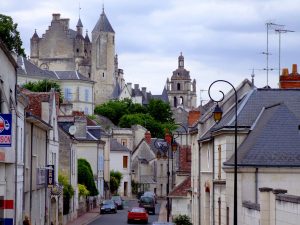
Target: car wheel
point(128, 221)
point(146, 221)
point(115, 211)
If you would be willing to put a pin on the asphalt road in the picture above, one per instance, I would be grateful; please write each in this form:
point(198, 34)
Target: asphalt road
point(120, 217)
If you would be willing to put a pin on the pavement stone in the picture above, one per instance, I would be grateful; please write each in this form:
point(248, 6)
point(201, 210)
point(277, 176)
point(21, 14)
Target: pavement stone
point(86, 218)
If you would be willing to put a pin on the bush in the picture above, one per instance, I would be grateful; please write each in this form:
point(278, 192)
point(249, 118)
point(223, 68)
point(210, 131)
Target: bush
point(182, 220)
point(115, 181)
point(83, 191)
point(85, 176)
point(68, 192)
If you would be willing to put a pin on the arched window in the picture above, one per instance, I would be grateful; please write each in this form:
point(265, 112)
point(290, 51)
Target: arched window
point(181, 100)
point(175, 102)
point(178, 86)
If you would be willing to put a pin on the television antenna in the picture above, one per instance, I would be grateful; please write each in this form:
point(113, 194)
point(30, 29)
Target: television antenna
point(269, 26)
point(281, 31)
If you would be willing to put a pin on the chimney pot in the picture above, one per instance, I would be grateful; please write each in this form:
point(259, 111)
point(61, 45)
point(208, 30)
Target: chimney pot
point(285, 72)
point(148, 137)
point(294, 69)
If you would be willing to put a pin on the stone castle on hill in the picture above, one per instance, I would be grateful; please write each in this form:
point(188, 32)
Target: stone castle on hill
point(63, 49)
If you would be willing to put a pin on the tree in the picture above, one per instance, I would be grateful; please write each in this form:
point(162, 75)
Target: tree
point(10, 35)
point(115, 181)
point(160, 111)
point(85, 176)
point(44, 86)
point(68, 192)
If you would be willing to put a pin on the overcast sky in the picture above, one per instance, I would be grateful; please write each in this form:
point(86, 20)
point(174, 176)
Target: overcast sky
point(221, 39)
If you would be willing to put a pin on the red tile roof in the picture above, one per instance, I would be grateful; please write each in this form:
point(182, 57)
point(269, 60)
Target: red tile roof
point(181, 190)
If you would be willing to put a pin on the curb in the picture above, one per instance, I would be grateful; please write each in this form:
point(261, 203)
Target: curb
point(92, 219)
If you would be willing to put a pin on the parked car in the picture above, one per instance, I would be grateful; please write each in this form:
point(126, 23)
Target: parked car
point(150, 194)
point(139, 194)
point(118, 201)
point(137, 214)
point(108, 206)
point(148, 203)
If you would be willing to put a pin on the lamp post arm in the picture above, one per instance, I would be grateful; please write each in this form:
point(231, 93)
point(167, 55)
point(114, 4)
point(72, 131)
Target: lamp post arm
point(235, 215)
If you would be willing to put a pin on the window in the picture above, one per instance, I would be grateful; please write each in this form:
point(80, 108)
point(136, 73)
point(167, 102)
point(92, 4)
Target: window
point(86, 110)
point(219, 162)
point(86, 95)
point(125, 162)
point(124, 142)
point(188, 155)
point(68, 94)
point(175, 102)
point(178, 86)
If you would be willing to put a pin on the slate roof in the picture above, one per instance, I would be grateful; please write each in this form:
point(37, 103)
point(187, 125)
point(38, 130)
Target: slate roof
point(115, 146)
point(181, 73)
point(182, 189)
point(163, 96)
point(65, 127)
point(79, 23)
point(103, 24)
point(274, 141)
point(27, 68)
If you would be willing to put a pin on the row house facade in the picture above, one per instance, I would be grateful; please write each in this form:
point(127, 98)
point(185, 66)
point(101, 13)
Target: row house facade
point(268, 159)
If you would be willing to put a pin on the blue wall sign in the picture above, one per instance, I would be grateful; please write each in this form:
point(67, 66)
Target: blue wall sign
point(5, 130)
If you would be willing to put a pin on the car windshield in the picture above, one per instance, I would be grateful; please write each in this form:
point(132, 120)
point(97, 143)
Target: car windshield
point(116, 198)
point(146, 199)
point(148, 194)
point(107, 202)
point(140, 210)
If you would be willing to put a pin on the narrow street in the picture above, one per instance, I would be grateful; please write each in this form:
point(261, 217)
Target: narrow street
point(121, 217)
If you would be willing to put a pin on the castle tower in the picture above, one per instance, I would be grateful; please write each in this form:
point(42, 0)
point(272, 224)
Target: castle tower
point(103, 59)
point(181, 89)
point(34, 47)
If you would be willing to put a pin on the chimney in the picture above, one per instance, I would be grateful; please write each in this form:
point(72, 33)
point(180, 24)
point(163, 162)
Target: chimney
point(294, 70)
point(285, 72)
point(80, 123)
point(136, 86)
point(148, 137)
point(144, 91)
point(55, 16)
point(193, 117)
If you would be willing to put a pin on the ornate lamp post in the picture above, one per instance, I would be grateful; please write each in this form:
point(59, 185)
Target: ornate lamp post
point(217, 113)
point(164, 147)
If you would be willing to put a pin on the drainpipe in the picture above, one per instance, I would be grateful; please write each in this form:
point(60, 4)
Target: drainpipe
point(213, 185)
point(46, 188)
point(24, 160)
point(16, 168)
point(256, 185)
point(30, 185)
point(199, 185)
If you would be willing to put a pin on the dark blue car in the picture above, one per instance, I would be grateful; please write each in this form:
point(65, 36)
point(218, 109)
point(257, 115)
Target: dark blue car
point(108, 206)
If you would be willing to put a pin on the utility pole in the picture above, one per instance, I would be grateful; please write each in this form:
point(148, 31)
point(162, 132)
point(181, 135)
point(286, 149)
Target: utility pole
point(280, 31)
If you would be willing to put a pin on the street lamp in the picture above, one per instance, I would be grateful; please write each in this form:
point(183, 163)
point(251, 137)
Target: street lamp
point(164, 146)
point(217, 113)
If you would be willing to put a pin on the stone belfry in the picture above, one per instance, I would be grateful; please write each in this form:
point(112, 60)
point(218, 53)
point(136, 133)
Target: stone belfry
point(181, 90)
point(103, 57)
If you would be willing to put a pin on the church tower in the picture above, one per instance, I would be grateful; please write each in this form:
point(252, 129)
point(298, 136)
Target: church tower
point(181, 90)
point(103, 59)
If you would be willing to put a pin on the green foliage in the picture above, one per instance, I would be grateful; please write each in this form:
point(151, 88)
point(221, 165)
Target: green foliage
point(68, 192)
point(155, 117)
point(83, 191)
point(115, 181)
point(10, 35)
point(91, 117)
point(44, 86)
point(85, 176)
point(134, 186)
point(160, 111)
point(182, 220)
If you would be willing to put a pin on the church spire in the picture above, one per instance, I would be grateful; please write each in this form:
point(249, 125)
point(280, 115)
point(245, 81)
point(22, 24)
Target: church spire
point(103, 24)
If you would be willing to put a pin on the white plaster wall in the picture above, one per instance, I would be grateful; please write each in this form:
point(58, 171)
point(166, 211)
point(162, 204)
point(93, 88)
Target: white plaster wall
point(181, 206)
point(116, 164)
point(250, 216)
point(287, 213)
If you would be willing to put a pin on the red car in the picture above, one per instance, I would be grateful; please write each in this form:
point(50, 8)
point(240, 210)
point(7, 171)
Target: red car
point(137, 214)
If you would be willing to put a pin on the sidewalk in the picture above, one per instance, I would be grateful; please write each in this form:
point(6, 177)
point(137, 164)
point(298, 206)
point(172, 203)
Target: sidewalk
point(86, 218)
point(163, 212)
